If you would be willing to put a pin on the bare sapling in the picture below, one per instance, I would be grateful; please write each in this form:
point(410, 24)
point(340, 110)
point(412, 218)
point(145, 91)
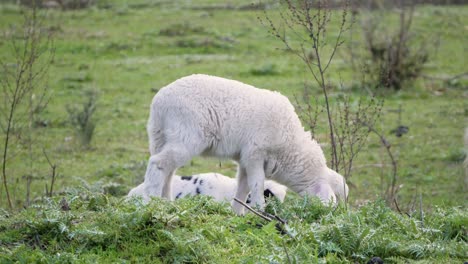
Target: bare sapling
point(23, 86)
point(304, 33)
point(303, 28)
point(352, 122)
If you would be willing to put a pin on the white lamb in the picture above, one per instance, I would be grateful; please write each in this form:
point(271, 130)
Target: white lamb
point(259, 129)
point(218, 186)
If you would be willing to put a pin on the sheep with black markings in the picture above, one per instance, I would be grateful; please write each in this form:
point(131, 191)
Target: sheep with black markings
point(259, 129)
point(218, 186)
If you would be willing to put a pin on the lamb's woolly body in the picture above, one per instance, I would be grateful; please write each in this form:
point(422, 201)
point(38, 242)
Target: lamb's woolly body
point(212, 116)
point(218, 186)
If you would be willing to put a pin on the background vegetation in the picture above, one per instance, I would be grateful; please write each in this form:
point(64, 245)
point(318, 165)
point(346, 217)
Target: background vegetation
point(90, 141)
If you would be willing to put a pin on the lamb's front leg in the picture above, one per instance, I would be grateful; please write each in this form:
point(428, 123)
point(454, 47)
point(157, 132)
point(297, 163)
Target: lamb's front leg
point(256, 180)
point(242, 191)
point(167, 189)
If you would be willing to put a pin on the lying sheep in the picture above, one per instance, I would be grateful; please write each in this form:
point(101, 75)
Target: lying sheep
point(218, 186)
point(259, 129)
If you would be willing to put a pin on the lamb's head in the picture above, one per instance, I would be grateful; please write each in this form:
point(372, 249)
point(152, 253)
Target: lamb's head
point(325, 183)
point(330, 188)
point(139, 191)
point(338, 185)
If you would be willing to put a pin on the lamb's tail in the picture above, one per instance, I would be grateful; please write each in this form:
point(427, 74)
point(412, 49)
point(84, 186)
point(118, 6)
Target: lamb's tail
point(155, 132)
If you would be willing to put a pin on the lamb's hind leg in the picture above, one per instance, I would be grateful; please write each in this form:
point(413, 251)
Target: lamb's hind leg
point(161, 167)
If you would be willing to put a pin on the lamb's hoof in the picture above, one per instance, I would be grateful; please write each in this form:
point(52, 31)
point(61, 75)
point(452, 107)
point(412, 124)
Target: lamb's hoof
point(238, 208)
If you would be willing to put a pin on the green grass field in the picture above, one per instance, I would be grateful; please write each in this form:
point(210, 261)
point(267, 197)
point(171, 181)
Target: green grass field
point(128, 50)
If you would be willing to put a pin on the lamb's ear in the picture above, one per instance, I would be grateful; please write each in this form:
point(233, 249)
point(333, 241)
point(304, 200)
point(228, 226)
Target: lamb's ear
point(267, 193)
point(325, 193)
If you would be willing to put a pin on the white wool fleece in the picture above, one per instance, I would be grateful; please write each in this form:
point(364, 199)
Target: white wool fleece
point(259, 129)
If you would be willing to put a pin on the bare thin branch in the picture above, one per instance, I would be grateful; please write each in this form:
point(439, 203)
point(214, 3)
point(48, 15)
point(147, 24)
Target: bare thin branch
point(253, 210)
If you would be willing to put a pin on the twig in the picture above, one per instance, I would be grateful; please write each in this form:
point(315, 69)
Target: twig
point(269, 217)
point(282, 221)
point(387, 146)
point(421, 209)
point(286, 251)
point(28, 189)
point(52, 181)
point(465, 163)
point(465, 74)
point(253, 210)
point(398, 208)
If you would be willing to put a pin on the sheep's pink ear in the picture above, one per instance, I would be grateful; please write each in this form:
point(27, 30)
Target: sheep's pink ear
point(325, 193)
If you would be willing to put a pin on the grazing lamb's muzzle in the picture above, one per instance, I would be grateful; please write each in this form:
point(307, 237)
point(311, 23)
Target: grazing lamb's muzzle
point(259, 129)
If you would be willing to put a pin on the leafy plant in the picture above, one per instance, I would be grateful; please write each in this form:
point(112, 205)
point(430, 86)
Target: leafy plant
point(82, 119)
point(267, 69)
point(181, 29)
point(199, 229)
point(392, 59)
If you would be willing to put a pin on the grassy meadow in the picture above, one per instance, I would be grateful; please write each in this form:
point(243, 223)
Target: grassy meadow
point(127, 50)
